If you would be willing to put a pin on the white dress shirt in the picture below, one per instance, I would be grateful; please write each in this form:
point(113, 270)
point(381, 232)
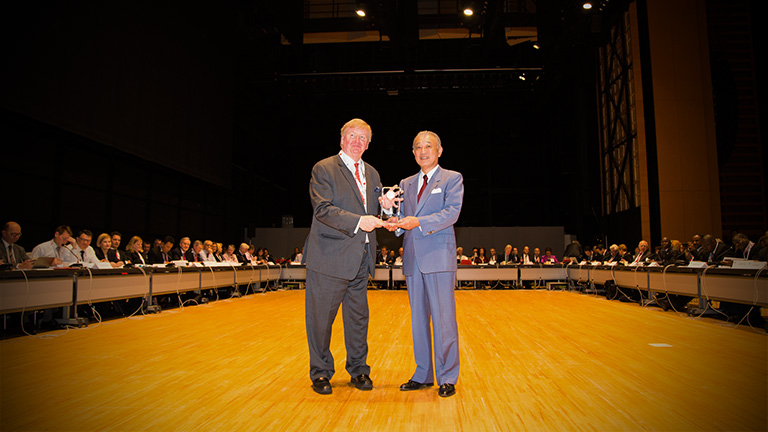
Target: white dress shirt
point(52, 250)
point(87, 255)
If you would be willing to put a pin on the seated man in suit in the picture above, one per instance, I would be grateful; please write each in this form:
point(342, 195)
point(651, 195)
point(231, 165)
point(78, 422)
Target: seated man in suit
point(644, 255)
point(59, 248)
point(161, 254)
point(83, 249)
point(526, 258)
point(243, 254)
point(13, 254)
point(180, 253)
point(117, 238)
point(493, 257)
point(744, 248)
point(713, 249)
point(194, 254)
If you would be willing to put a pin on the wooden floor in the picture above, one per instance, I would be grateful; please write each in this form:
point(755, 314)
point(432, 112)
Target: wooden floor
point(530, 361)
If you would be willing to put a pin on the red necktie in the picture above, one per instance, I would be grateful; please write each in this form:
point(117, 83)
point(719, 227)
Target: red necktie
point(423, 186)
point(360, 182)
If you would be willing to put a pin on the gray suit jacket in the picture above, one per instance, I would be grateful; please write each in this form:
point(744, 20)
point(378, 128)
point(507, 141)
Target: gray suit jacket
point(434, 241)
point(332, 247)
point(18, 252)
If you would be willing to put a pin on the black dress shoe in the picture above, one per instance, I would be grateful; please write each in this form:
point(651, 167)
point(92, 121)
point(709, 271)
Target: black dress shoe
point(413, 385)
point(321, 386)
point(362, 382)
point(446, 390)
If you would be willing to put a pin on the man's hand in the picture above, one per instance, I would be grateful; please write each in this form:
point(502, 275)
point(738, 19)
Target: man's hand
point(369, 223)
point(26, 265)
point(391, 223)
point(408, 223)
point(391, 199)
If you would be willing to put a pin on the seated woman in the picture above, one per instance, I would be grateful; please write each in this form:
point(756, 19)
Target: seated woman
point(548, 257)
point(481, 257)
point(104, 251)
point(229, 255)
point(134, 250)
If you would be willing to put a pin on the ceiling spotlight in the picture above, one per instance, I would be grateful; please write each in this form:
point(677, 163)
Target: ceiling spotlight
point(468, 12)
point(536, 46)
point(587, 6)
point(360, 12)
point(521, 77)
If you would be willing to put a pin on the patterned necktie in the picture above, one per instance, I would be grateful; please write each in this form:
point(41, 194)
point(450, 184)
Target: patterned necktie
point(11, 258)
point(82, 255)
point(423, 186)
point(359, 182)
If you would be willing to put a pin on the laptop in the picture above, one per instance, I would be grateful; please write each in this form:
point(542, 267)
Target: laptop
point(43, 262)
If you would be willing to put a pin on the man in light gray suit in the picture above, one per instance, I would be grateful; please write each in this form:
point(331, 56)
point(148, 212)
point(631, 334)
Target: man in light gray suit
point(339, 253)
point(431, 205)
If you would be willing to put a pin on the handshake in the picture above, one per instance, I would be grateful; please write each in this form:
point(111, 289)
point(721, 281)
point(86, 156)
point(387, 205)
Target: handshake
point(389, 217)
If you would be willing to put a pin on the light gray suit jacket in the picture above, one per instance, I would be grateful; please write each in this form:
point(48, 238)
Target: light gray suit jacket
point(434, 241)
point(332, 247)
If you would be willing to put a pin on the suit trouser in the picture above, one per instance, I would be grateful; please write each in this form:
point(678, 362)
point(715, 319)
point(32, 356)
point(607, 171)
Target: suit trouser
point(431, 296)
point(324, 295)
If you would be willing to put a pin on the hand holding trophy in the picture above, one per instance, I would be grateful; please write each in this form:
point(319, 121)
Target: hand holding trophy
point(390, 200)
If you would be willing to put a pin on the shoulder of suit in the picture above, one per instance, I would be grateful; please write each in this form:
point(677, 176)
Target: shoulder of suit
point(447, 172)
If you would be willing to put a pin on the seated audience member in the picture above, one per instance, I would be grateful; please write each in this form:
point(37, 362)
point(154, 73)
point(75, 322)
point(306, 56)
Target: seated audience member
point(146, 247)
point(510, 256)
point(206, 253)
point(625, 256)
point(697, 249)
point(161, 254)
point(11, 253)
point(135, 251)
point(573, 251)
point(744, 248)
point(678, 254)
point(156, 243)
point(460, 255)
point(762, 243)
point(480, 258)
point(526, 258)
point(180, 253)
point(598, 253)
point(665, 251)
point(493, 257)
point(536, 256)
point(116, 239)
point(643, 256)
point(83, 249)
point(548, 257)
point(399, 259)
point(613, 256)
point(229, 256)
point(382, 258)
point(474, 254)
point(258, 256)
point(244, 254)
point(589, 254)
point(392, 257)
point(218, 251)
point(713, 249)
point(193, 255)
point(268, 259)
point(297, 256)
point(58, 248)
point(104, 251)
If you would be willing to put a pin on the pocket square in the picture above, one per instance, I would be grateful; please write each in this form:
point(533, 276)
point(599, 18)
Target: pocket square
point(436, 190)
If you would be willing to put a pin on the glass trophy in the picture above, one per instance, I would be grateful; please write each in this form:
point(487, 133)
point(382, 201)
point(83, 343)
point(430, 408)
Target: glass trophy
point(391, 193)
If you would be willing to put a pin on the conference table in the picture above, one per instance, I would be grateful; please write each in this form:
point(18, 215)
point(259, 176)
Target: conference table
point(67, 288)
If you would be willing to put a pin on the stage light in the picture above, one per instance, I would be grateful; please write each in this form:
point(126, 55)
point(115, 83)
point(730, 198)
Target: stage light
point(468, 12)
point(587, 6)
point(536, 46)
point(360, 13)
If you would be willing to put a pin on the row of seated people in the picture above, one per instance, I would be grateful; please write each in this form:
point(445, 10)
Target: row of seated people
point(705, 248)
point(66, 249)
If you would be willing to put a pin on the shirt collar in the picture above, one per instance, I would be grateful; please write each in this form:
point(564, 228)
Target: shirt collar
point(429, 174)
point(350, 163)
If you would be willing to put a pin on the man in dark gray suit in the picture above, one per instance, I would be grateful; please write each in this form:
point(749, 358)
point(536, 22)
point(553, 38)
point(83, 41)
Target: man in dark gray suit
point(11, 253)
point(339, 254)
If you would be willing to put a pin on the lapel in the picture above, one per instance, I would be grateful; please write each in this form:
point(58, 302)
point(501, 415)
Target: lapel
point(434, 182)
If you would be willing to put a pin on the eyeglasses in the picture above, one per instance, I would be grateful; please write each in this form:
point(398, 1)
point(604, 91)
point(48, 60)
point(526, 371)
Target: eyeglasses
point(84, 240)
